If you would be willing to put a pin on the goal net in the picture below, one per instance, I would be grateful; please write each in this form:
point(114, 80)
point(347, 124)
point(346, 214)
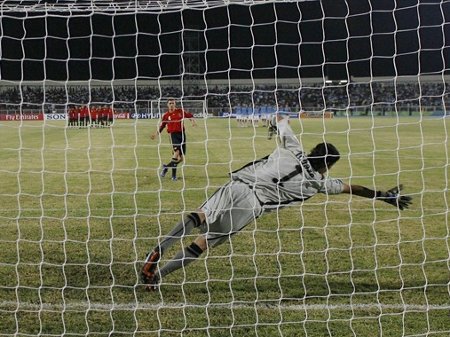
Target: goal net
point(80, 207)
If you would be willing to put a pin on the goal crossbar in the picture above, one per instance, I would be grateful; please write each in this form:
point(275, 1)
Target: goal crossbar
point(120, 6)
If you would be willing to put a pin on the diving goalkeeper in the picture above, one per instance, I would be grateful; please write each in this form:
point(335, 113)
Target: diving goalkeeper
point(286, 176)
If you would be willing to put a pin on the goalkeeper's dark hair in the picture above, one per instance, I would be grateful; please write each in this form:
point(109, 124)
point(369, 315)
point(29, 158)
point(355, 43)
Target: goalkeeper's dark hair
point(323, 155)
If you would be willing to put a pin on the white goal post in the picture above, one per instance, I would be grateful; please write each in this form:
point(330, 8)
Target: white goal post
point(81, 206)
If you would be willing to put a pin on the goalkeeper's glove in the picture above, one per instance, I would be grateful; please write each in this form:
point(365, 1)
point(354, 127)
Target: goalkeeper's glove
point(394, 198)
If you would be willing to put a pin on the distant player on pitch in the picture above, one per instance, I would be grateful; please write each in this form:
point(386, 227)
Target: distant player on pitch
point(286, 176)
point(173, 119)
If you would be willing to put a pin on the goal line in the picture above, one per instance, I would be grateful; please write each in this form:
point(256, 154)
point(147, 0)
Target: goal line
point(132, 306)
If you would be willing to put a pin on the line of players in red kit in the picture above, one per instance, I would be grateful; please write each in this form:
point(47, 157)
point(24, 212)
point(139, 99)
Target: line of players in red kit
point(96, 116)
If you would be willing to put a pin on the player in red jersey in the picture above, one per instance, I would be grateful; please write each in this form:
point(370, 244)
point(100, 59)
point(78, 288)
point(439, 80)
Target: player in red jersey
point(173, 119)
point(84, 116)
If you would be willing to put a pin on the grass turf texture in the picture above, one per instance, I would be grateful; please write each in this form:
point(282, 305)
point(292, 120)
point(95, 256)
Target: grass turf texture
point(80, 208)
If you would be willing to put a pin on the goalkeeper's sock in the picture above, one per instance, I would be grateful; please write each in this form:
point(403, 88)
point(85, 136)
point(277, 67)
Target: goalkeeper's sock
point(181, 259)
point(182, 228)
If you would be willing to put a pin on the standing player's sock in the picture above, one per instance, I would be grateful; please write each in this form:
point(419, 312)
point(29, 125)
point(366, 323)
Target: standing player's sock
point(173, 163)
point(164, 171)
point(174, 172)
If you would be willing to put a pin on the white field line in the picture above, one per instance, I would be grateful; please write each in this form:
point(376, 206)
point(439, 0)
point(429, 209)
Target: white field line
point(83, 306)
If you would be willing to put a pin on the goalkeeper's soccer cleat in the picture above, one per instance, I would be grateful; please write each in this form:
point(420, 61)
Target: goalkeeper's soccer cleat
point(164, 171)
point(148, 273)
point(152, 284)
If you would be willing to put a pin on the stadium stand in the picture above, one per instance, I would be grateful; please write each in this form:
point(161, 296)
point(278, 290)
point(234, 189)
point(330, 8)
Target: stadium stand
point(359, 98)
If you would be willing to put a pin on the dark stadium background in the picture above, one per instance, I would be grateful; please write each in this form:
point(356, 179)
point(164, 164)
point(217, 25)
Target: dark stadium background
point(362, 38)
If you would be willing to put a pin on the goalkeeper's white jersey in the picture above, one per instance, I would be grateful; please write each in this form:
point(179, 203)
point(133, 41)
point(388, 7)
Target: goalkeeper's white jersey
point(285, 176)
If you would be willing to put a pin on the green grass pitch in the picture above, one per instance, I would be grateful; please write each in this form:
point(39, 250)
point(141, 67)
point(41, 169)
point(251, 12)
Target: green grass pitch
point(79, 209)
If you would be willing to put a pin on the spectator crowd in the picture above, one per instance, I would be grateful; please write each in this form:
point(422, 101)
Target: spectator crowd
point(222, 98)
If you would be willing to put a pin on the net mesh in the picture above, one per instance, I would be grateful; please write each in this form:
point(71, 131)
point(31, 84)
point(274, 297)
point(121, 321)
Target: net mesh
point(81, 206)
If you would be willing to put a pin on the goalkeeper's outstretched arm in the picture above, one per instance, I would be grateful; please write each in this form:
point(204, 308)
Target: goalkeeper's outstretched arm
point(391, 196)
